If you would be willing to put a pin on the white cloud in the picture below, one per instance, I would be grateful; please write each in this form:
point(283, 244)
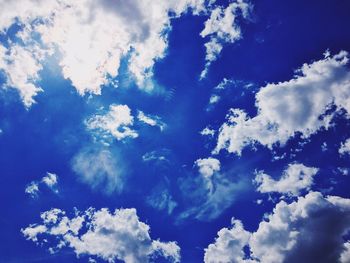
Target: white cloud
point(210, 192)
point(32, 189)
point(224, 84)
point(324, 147)
point(311, 229)
point(151, 120)
point(116, 122)
point(208, 132)
point(210, 198)
point(208, 166)
point(287, 108)
point(222, 27)
point(50, 180)
point(345, 147)
point(110, 236)
point(21, 67)
point(161, 199)
point(91, 38)
point(343, 170)
point(228, 245)
point(345, 256)
point(33, 231)
point(295, 178)
point(214, 99)
point(160, 157)
point(99, 168)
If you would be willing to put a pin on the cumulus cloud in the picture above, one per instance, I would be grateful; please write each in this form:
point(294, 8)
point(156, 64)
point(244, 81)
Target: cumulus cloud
point(208, 166)
point(116, 122)
point(311, 229)
point(151, 120)
point(99, 168)
point(301, 105)
point(345, 147)
point(295, 178)
point(32, 189)
point(50, 180)
point(222, 27)
point(111, 236)
point(90, 39)
point(21, 67)
point(207, 132)
point(228, 245)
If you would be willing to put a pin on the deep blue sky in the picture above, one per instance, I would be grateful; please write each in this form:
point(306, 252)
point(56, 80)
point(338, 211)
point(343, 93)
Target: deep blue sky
point(279, 37)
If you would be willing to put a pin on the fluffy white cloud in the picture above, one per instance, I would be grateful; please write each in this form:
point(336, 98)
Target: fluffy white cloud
point(99, 168)
point(298, 106)
point(311, 229)
point(90, 39)
point(295, 178)
point(159, 157)
point(208, 132)
point(150, 120)
point(208, 166)
point(214, 99)
point(50, 180)
point(22, 66)
point(345, 147)
point(32, 189)
point(228, 245)
point(222, 27)
point(111, 236)
point(345, 256)
point(115, 122)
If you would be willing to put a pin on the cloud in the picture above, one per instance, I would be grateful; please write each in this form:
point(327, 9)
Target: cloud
point(311, 229)
point(89, 39)
point(222, 27)
point(100, 169)
point(214, 99)
point(116, 122)
point(210, 192)
point(32, 189)
point(228, 245)
point(345, 147)
point(301, 105)
point(224, 90)
point(151, 120)
point(50, 180)
point(295, 178)
point(207, 132)
point(119, 235)
point(21, 67)
point(156, 156)
point(208, 166)
point(161, 199)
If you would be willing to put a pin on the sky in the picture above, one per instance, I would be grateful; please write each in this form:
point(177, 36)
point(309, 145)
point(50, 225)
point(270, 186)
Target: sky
point(175, 131)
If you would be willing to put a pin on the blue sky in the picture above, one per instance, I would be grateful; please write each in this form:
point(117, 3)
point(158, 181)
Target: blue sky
point(174, 131)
